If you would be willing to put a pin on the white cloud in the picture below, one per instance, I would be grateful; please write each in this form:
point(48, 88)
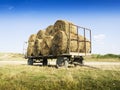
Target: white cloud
point(99, 37)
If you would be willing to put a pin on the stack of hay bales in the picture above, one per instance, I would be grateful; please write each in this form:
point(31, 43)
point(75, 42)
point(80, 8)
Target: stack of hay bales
point(61, 38)
point(54, 40)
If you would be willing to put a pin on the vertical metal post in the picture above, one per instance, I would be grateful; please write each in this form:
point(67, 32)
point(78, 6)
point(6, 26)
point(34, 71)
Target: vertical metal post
point(90, 42)
point(77, 40)
point(85, 41)
point(25, 48)
point(69, 40)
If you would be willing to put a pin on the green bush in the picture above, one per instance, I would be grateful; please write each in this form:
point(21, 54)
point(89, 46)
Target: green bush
point(105, 56)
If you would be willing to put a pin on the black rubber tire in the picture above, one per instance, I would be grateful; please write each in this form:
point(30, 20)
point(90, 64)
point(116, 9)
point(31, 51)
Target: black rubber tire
point(61, 61)
point(45, 62)
point(79, 59)
point(30, 61)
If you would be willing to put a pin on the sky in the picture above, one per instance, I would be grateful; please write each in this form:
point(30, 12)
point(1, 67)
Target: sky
point(21, 18)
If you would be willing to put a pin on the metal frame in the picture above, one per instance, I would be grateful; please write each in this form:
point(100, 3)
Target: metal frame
point(78, 41)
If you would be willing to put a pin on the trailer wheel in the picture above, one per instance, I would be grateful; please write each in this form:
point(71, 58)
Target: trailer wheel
point(45, 62)
point(59, 61)
point(78, 60)
point(62, 61)
point(30, 61)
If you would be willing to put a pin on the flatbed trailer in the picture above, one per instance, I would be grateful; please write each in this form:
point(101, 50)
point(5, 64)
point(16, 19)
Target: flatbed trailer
point(68, 57)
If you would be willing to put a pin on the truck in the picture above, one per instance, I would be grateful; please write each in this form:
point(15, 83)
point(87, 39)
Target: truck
point(68, 57)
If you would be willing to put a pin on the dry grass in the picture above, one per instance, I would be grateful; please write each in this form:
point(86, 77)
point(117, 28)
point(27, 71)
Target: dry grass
point(49, 78)
point(11, 56)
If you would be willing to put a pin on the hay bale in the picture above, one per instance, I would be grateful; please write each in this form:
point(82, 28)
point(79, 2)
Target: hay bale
point(50, 30)
point(81, 44)
point(74, 44)
point(64, 26)
point(87, 47)
point(40, 34)
point(32, 38)
point(46, 45)
point(30, 49)
point(59, 43)
point(37, 47)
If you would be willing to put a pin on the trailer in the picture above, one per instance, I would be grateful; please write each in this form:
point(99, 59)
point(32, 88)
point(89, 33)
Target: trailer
point(69, 57)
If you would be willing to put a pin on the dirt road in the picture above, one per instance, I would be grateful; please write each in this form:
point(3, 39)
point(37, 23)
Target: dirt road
point(12, 62)
point(104, 65)
point(101, 65)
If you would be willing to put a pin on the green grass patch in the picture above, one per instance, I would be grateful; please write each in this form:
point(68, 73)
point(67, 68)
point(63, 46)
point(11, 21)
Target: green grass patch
point(103, 58)
point(49, 78)
point(106, 56)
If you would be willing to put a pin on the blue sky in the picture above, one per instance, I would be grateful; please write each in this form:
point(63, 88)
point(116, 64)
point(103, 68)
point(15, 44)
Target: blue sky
point(20, 18)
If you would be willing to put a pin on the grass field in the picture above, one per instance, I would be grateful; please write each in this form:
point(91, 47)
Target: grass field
point(11, 56)
point(103, 58)
point(25, 77)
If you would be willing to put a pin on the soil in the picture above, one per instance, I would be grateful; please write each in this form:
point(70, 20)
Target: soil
point(99, 65)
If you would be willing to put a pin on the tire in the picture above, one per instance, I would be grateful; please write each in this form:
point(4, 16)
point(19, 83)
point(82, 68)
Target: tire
point(45, 62)
point(30, 61)
point(59, 61)
point(62, 61)
point(81, 59)
point(78, 59)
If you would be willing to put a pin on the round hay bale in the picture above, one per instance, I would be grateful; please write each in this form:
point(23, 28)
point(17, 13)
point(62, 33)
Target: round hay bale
point(41, 34)
point(37, 47)
point(32, 38)
point(46, 45)
point(59, 43)
point(64, 26)
point(50, 30)
point(30, 49)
